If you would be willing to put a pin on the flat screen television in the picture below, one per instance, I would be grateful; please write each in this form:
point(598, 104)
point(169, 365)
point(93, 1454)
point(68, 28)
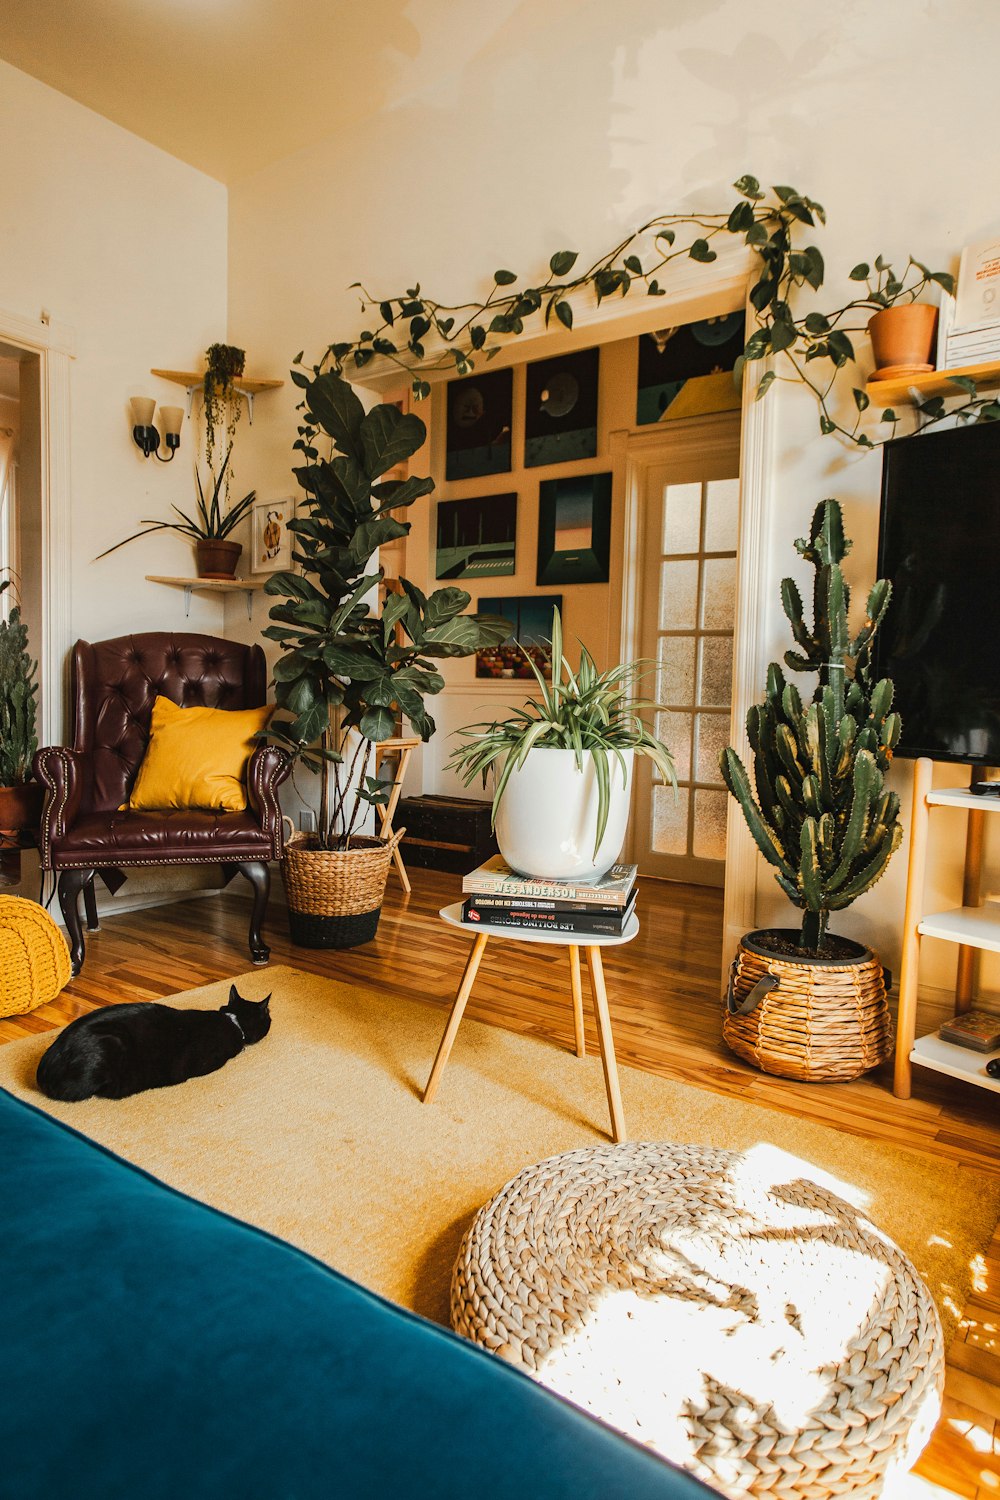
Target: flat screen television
point(939, 543)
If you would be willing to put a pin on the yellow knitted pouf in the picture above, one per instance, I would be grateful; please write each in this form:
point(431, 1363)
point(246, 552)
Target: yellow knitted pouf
point(34, 958)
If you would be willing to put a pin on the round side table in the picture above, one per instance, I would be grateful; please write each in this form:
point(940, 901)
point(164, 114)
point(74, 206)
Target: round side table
point(591, 945)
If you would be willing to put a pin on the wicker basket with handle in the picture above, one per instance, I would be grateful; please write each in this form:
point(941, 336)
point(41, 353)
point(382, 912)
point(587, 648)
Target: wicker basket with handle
point(813, 1019)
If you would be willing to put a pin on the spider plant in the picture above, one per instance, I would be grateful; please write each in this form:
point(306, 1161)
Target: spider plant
point(210, 522)
point(582, 711)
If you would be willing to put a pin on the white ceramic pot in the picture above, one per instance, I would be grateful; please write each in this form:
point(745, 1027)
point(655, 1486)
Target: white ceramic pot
point(547, 819)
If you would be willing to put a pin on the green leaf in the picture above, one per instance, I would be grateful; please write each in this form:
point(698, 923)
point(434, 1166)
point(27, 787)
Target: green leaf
point(377, 724)
point(700, 251)
point(766, 380)
point(749, 187)
point(504, 278)
point(564, 313)
point(861, 271)
point(560, 264)
point(964, 384)
point(861, 399)
point(336, 408)
point(783, 335)
point(389, 437)
point(888, 415)
point(634, 264)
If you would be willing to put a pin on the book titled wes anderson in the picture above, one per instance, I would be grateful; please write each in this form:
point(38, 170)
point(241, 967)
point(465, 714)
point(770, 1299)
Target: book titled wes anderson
point(496, 878)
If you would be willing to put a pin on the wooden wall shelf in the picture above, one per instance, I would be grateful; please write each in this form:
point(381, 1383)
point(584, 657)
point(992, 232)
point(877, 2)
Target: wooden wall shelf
point(899, 392)
point(247, 385)
point(247, 586)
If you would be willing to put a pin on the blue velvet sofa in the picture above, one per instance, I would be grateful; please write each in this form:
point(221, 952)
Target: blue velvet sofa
point(155, 1349)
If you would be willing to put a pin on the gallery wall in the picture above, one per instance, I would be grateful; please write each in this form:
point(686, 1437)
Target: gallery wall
point(574, 140)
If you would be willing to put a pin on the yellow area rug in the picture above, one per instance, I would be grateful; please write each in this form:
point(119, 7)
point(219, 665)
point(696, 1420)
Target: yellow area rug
point(319, 1135)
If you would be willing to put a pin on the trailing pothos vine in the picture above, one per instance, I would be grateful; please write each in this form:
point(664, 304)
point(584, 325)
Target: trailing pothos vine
point(421, 334)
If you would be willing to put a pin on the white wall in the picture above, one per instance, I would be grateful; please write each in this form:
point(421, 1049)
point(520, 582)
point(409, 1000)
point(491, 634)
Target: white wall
point(882, 109)
point(127, 247)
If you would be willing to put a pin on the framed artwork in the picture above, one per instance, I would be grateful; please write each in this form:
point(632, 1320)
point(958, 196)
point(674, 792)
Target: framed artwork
point(270, 539)
point(574, 529)
point(480, 411)
point(560, 418)
point(530, 616)
point(476, 538)
point(687, 371)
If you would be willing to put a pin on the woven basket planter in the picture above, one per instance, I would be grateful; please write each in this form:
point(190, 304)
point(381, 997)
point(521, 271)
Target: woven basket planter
point(815, 1019)
point(335, 895)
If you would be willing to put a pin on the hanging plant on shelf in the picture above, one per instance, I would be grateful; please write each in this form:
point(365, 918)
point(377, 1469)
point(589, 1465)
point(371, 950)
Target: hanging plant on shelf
point(224, 364)
point(813, 348)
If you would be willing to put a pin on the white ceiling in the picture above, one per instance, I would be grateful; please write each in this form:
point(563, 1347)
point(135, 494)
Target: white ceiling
point(231, 85)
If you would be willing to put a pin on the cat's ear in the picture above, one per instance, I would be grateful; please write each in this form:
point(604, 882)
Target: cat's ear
point(265, 1002)
point(234, 994)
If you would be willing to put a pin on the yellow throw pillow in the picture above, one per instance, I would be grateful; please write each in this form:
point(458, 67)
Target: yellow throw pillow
point(197, 757)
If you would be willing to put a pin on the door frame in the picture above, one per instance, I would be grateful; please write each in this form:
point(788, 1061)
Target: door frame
point(632, 451)
point(54, 346)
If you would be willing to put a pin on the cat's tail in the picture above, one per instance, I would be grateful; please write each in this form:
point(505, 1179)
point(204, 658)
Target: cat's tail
point(76, 1069)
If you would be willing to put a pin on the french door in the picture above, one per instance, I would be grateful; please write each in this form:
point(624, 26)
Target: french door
point(688, 530)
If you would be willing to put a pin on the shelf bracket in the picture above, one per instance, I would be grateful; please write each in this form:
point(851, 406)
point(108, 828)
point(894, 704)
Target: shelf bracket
point(249, 599)
point(190, 395)
point(187, 599)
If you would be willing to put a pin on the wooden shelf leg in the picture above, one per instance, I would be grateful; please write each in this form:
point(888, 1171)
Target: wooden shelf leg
point(574, 975)
point(965, 973)
point(455, 1019)
point(608, 1059)
point(906, 1016)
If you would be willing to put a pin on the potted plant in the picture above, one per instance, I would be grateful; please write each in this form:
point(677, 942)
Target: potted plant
point(903, 331)
point(346, 669)
point(806, 1004)
point(20, 796)
point(224, 364)
point(209, 528)
point(562, 766)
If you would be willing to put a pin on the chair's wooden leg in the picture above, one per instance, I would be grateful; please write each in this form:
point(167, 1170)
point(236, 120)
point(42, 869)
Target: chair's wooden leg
point(71, 883)
point(607, 1043)
point(455, 1019)
point(574, 975)
point(259, 876)
point(90, 906)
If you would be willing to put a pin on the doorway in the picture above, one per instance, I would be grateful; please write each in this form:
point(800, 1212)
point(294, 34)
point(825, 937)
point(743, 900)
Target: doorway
point(688, 499)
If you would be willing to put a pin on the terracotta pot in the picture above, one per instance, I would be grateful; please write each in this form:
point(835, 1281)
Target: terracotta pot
point(21, 813)
point(217, 559)
point(903, 340)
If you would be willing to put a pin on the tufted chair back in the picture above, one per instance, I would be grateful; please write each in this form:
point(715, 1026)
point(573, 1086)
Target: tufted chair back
point(116, 682)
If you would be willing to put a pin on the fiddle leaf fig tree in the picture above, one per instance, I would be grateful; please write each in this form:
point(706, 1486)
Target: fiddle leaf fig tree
point(346, 666)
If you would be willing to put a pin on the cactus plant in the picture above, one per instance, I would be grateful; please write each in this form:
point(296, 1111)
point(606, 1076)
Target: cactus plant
point(822, 815)
point(17, 699)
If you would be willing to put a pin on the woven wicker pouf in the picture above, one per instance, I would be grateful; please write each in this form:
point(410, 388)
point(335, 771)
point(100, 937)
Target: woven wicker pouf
point(746, 1323)
point(34, 958)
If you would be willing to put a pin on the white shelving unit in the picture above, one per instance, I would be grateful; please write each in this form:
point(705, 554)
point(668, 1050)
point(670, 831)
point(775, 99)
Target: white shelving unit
point(972, 926)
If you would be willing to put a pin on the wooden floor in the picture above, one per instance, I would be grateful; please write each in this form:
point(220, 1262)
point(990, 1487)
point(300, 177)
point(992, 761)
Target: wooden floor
point(664, 992)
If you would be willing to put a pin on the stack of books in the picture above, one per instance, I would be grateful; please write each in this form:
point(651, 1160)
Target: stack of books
point(969, 326)
point(496, 894)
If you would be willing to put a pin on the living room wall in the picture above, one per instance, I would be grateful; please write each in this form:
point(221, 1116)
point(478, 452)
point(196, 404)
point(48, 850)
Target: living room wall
point(571, 139)
point(124, 247)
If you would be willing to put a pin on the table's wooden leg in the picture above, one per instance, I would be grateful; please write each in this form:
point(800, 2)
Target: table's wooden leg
point(574, 974)
point(455, 1019)
point(607, 1043)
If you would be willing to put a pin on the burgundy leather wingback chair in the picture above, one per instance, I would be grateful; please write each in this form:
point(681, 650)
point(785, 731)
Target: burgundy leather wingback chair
point(83, 833)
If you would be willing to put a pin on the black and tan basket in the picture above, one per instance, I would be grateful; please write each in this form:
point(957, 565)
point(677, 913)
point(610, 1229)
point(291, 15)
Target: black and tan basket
point(815, 1019)
point(335, 895)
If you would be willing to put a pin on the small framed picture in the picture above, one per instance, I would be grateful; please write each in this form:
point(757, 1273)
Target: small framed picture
point(270, 539)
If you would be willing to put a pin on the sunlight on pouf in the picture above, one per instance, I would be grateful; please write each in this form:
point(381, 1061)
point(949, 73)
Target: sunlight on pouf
point(727, 1309)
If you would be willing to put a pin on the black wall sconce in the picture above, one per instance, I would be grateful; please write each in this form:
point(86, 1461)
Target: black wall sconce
point(145, 435)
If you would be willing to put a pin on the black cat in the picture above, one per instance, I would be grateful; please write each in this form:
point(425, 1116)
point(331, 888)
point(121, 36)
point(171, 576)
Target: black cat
point(124, 1049)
